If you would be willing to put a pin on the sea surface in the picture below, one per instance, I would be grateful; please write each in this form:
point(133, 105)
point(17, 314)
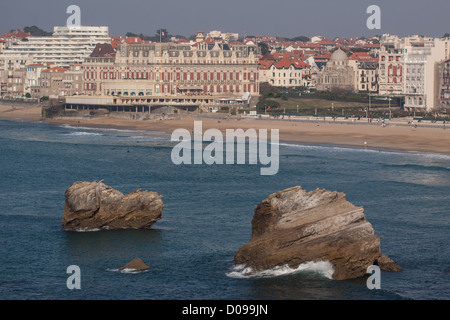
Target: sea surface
point(206, 218)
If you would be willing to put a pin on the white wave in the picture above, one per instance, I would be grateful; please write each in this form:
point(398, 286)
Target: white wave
point(335, 148)
point(325, 268)
point(68, 126)
point(84, 133)
point(87, 230)
point(127, 270)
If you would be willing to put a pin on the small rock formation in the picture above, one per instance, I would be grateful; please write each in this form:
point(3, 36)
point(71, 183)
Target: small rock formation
point(94, 205)
point(293, 226)
point(136, 264)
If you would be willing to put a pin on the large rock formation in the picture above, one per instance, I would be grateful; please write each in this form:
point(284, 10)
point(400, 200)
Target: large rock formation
point(293, 226)
point(94, 205)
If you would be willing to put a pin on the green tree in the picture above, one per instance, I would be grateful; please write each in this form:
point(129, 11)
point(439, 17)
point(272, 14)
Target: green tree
point(36, 31)
point(263, 47)
point(301, 38)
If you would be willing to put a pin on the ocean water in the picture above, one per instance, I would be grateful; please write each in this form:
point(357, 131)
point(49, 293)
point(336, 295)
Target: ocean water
point(207, 217)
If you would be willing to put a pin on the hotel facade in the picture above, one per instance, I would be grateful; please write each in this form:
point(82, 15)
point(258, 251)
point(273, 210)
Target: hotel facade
point(171, 73)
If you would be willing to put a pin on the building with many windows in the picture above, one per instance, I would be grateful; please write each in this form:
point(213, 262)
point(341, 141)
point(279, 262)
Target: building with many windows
point(172, 73)
point(421, 81)
point(67, 45)
point(444, 92)
point(390, 78)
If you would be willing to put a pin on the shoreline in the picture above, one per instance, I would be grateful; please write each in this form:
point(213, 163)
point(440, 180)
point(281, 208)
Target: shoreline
point(394, 136)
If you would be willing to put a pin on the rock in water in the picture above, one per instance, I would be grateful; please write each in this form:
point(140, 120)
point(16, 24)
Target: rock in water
point(94, 205)
point(135, 264)
point(293, 226)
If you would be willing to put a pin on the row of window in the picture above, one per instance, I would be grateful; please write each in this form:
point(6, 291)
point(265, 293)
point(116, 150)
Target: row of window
point(391, 58)
point(175, 76)
point(166, 89)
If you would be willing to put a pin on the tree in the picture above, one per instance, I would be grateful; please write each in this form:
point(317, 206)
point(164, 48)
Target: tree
point(447, 35)
point(36, 31)
point(269, 91)
point(263, 47)
point(301, 38)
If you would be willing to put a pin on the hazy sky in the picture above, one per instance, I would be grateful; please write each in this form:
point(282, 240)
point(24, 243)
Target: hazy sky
point(288, 18)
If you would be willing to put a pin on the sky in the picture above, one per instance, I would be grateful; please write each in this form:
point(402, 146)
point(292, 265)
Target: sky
point(284, 18)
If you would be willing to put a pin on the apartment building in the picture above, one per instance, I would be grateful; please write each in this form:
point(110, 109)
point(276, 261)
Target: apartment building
point(51, 82)
point(444, 93)
point(13, 74)
point(366, 68)
point(67, 45)
point(73, 80)
point(422, 57)
point(390, 79)
point(33, 75)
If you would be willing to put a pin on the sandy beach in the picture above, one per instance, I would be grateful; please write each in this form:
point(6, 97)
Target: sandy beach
point(395, 135)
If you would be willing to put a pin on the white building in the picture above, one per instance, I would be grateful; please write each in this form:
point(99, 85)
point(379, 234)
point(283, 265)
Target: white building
point(421, 57)
point(67, 45)
point(226, 36)
point(34, 74)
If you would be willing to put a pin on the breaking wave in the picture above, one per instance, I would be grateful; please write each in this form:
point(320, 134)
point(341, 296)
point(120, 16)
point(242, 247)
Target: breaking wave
point(324, 268)
point(127, 270)
point(84, 133)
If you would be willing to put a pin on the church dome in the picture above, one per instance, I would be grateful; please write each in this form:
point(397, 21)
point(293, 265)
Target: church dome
point(339, 54)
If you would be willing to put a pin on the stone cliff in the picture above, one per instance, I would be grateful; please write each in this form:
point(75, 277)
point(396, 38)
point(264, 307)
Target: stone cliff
point(293, 226)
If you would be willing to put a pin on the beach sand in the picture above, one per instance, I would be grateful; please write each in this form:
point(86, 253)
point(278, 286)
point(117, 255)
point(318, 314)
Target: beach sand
point(393, 136)
point(20, 113)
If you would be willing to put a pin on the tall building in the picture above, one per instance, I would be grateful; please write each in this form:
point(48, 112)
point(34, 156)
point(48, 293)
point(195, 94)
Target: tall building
point(13, 72)
point(421, 80)
point(67, 45)
point(366, 68)
point(390, 78)
point(444, 93)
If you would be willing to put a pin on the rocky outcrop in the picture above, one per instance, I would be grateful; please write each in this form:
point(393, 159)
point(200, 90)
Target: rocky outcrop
point(94, 205)
point(293, 226)
point(135, 265)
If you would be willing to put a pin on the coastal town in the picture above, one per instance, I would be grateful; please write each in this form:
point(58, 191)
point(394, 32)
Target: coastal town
point(223, 159)
point(87, 68)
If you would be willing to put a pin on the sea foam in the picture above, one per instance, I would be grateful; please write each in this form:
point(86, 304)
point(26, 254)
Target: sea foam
point(127, 270)
point(324, 268)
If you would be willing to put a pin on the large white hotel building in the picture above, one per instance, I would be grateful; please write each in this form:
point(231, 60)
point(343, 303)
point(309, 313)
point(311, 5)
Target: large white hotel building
point(67, 45)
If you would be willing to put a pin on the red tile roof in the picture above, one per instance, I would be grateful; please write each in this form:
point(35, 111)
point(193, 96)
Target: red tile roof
point(17, 34)
point(362, 56)
point(55, 69)
point(40, 64)
point(265, 64)
point(286, 63)
point(131, 40)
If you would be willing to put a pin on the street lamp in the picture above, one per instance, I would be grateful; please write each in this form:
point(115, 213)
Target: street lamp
point(390, 113)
